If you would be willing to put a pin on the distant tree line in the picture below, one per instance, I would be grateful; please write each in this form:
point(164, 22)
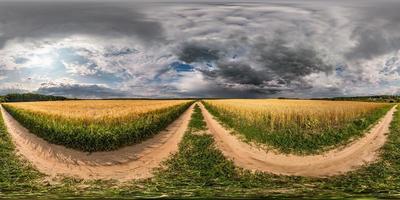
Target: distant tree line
point(30, 97)
point(380, 98)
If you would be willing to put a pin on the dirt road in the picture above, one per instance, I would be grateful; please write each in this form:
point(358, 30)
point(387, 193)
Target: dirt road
point(131, 162)
point(334, 162)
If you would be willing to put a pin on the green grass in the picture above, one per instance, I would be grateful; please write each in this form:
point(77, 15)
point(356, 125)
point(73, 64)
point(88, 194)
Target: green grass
point(198, 161)
point(96, 136)
point(200, 170)
point(197, 122)
point(299, 140)
point(14, 174)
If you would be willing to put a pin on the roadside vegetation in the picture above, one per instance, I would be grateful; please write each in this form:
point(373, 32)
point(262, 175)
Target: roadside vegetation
point(15, 174)
point(97, 125)
point(297, 126)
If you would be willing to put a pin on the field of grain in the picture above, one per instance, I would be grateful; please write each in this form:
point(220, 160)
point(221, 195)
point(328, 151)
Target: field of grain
point(97, 125)
point(297, 126)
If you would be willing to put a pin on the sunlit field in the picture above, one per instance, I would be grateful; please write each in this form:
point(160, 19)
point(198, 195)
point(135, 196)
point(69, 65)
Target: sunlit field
point(98, 110)
point(97, 125)
point(297, 126)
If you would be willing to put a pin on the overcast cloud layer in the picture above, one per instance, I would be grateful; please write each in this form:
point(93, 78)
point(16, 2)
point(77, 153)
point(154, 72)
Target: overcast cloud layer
point(226, 49)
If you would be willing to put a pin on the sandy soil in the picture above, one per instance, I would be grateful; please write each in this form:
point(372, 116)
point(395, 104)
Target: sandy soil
point(334, 162)
point(131, 162)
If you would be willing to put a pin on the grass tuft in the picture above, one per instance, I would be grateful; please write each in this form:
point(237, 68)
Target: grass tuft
point(197, 122)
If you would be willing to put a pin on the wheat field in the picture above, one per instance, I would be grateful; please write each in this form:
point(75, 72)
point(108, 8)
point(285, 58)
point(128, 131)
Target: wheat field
point(97, 110)
point(297, 126)
point(97, 125)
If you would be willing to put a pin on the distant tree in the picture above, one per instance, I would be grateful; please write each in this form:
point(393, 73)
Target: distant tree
point(32, 97)
point(380, 98)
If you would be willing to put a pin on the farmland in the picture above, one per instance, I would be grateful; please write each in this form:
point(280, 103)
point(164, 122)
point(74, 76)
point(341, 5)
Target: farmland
point(97, 125)
point(297, 126)
point(199, 168)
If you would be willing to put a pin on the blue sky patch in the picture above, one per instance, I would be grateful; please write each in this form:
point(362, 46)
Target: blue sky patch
point(182, 67)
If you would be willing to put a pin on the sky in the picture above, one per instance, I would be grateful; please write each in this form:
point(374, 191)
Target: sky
point(230, 49)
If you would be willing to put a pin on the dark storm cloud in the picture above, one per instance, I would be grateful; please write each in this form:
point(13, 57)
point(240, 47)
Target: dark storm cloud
point(193, 52)
point(289, 63)
point(275, 67)
point(80, 91)
point(372, 43)
point(229, 91)
point(241, 73)
point(376, 30)
point(58, 19)
point(325, 92)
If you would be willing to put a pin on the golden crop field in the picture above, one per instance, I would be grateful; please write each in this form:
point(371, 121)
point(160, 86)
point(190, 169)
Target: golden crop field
point(307, 113)
point(296, 125)
point(97, 125)
point(88, 110)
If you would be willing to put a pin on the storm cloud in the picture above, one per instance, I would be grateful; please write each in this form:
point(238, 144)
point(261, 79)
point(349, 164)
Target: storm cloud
point(101, 49)
point(22, 20)
point(273, 66)
point(80, 91)
point(197, 53)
